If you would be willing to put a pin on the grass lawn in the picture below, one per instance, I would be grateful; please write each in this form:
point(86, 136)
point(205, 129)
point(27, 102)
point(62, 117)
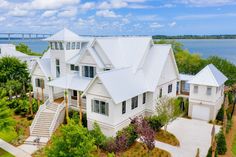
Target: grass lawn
point(3, 153)
point(234, 146)
point(166, 137)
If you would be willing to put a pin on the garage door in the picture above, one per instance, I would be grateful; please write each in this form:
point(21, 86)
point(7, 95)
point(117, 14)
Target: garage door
point(201, 112)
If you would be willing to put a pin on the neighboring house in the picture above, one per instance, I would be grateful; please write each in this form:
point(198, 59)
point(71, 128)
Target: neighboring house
point(120, 77)
point(10, 51)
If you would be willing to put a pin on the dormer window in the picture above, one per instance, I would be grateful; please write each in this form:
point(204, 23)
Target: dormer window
point(61, 46)
point(56, 45)
point(73, 46)
point(78, 45)
point(52, 45)
point(89, 71)
point(68, 46)
point(74, 68)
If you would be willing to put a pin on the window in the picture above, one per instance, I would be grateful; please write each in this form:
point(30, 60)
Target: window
point(52, 45)
point(68, 45)
point(78, 45)
point(123, 107)
point(74, 68)
point(58, 68)
point(134, 102)
point(208, 91)
point(100, 107)
point(195, 89)
point(170, 88)
point(106, 69)
point(89, 71)
point(160, 93)
point(73, 46)
point(39, 83)
point(56, 45)
point(61, 46)
point(144, 98)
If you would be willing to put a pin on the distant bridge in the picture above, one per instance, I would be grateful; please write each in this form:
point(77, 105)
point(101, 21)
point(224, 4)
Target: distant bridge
point(22, 36)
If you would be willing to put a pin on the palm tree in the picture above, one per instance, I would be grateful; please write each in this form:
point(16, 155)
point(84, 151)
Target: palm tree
point(38, 98)
point(30, 100)
point(67, 110)
point(80, 107)
point(42, 87)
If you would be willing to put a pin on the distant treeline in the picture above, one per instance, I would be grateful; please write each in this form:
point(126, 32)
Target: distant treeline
point(195, 37)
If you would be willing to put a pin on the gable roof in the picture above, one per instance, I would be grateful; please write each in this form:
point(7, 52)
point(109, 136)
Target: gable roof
point(209, 76)
point(124, 51)
point(65, 35)
point(45, 66)
point(124, 83)
point(10, 50)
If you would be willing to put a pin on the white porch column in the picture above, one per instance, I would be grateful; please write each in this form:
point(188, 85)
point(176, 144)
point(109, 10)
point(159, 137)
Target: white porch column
point(180, 86)
point(69, 97)
point(51, 91)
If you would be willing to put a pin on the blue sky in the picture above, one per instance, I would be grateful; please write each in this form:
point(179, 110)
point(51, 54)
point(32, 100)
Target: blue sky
point(119, 17)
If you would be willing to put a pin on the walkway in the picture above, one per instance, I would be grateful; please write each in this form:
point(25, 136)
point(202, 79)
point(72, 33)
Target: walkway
point(13, 150)
point(192, 134)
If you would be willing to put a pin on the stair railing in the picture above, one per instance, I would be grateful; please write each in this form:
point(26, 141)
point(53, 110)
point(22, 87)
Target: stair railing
point(41, 108)
point(56, 118)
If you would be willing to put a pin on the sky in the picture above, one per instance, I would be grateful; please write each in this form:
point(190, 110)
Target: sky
point(120, 17)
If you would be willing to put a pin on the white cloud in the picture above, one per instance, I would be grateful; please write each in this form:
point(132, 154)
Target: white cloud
point(2, 19)
point(204, 16)
point(4, 4)
point(69, 12)
point(207, 3)
point(172, 24)
point(49, 13)
point(156, 25)
point(51, 4)
point(107, 13)
point(87, 6)
point(18, 12)
point(113, 4)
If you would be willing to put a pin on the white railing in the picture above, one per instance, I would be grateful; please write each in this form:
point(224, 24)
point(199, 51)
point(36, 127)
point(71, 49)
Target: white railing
point(56, 118)
point(41, 108)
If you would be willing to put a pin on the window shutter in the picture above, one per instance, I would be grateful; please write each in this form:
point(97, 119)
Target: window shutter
point(107, 109)
point(92, 108)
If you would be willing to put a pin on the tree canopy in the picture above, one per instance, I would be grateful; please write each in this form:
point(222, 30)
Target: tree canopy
point(25, 49)
point(73, 140)
point(192, 63)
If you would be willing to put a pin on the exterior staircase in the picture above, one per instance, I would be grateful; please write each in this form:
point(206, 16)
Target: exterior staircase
point(47, 119)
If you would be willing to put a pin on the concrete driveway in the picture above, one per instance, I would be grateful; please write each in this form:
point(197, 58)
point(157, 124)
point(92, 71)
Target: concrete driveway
point(192, 134)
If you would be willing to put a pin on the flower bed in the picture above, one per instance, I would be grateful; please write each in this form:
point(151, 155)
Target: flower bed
point(166, 137)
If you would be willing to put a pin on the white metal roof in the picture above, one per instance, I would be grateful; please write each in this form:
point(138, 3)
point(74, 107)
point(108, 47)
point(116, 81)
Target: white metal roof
point(209, 76)
point(71, 81)
point(45, 66)
point(10, 50)
point(65, 35)
point(185, 77)
point(124, 83)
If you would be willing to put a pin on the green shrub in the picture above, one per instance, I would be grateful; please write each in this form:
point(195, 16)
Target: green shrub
point(75, 116)
point(154, 122)
point(209, 154)
point(220, 114)
point(229, 125)
point(97, 134)
point(130, 133)
point(221, 143)
point(230, 97)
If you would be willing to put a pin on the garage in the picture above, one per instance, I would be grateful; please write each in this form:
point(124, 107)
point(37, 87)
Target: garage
point(200, 112)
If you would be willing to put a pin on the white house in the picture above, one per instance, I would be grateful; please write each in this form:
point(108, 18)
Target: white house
point(10, 50)
point(120, 77)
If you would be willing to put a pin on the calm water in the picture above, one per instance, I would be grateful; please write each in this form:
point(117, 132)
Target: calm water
point(225, 48)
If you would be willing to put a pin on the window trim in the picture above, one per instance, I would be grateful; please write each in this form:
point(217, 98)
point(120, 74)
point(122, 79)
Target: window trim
point(88, 74)
point(134, 102)
point(170, 87)
point(210, 90)
point(123, 107)
point(99, 108)
point(144, 98)
point(58, 69)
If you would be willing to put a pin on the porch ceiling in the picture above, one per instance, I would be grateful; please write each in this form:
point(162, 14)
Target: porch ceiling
point(71, 81)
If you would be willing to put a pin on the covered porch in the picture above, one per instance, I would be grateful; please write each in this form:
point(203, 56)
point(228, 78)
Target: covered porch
point(71, 84)
point(183, 87)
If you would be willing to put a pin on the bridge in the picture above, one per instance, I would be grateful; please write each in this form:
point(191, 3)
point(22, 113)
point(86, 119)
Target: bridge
point(22, 36)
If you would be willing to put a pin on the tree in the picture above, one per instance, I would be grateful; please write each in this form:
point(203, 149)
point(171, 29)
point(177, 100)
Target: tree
point(25, 49)
point(13, 87)
point(6, 120)
point(221, 143)
point(73, 140)
point(67, 107)
point(145, 132)
point(97, 134)
point(167, 110)
point(12, 68)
